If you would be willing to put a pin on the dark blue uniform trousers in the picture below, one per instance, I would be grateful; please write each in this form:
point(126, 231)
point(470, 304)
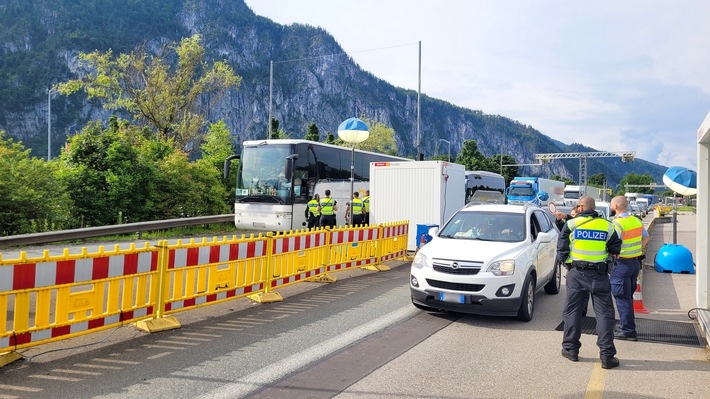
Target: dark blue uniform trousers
point(580, 284)
point(623, 285)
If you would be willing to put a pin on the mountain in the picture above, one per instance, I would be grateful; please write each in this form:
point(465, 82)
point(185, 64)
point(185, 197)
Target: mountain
point(40, 40)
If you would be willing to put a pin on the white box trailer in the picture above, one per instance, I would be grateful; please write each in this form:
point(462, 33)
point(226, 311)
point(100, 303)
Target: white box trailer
point(423, 192)
point(573, 193)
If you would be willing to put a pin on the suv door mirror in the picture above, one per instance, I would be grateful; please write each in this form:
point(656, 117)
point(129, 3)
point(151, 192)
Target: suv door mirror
point(544, 237)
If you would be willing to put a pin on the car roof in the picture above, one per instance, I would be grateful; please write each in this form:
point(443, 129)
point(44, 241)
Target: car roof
point(496, 208)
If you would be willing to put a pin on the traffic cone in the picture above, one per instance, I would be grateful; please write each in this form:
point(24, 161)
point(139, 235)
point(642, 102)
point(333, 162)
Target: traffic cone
point(638, 298)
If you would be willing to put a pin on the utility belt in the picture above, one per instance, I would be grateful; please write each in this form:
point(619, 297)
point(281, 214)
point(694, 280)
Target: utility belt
point(599, 267)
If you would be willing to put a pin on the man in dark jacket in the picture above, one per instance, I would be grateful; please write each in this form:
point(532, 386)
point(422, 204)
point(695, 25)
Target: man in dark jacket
point(586, 245)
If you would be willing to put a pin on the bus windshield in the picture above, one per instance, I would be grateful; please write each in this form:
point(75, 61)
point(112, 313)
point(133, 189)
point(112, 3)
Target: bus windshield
point(262, 174)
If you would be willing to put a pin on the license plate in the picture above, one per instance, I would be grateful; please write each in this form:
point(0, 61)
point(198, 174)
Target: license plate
point(451, 297)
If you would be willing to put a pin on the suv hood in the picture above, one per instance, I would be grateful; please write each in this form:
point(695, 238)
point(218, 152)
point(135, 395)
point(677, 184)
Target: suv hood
point(472, 250)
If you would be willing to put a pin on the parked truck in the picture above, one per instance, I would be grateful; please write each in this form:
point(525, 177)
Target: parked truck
point(573, 193)
point(426, 193)
point(522, 190)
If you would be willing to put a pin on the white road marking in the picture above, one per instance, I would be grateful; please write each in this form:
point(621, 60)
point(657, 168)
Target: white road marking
point(276, 371)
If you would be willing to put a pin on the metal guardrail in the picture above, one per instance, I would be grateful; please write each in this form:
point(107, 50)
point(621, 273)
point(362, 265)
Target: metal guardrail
point(128, 228)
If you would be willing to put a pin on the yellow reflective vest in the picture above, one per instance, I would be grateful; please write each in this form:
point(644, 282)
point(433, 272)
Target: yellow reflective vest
point(313, 207)
point(366, 203)
point(588, 239)
point(326, 206)
point(357, 206)
point(630, 229)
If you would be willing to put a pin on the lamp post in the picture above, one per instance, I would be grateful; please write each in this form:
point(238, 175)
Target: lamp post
point(449, 143)
point(353, 131)
point(50, 91)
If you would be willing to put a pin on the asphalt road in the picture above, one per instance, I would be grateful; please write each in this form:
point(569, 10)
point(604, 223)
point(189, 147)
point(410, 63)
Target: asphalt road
point(358, 338)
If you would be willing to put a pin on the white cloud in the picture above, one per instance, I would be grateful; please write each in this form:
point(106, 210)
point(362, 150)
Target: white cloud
point(613, 75)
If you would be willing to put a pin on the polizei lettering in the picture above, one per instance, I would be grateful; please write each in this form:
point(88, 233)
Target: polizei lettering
point(594, 235)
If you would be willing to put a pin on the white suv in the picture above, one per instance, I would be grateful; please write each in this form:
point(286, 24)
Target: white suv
point(488, 260)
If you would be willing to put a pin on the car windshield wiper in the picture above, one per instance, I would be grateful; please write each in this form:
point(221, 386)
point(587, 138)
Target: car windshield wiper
point(448, 236)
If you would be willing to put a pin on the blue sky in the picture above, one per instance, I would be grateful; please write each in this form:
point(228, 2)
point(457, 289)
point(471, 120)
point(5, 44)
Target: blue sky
point(630, 75)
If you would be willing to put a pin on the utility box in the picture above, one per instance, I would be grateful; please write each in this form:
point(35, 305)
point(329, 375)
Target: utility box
point(423, 192)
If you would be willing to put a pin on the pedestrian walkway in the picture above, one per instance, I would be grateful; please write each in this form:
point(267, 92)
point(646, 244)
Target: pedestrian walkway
point(670, 296)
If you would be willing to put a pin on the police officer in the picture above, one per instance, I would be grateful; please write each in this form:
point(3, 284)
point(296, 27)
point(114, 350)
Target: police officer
point(312, 214)
point(366, 204)
point(357, 210)
point(634, 238)
point(586, 242)
point(327, 208)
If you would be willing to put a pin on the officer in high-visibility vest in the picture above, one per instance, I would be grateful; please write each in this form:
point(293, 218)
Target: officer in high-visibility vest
point(357, 210)
point(312, 214)
point(634, 238)
point(327, 208)
point(586, 243)
point(366, 204)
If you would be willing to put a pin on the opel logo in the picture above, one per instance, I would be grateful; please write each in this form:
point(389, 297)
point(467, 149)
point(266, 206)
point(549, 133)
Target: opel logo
point(455, 265)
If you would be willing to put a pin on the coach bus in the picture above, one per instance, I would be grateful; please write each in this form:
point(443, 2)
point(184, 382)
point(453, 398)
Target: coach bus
point(483, 180)
point(277, 178)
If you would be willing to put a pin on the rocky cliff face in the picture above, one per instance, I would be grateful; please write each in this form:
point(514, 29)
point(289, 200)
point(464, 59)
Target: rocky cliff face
point(323, 90)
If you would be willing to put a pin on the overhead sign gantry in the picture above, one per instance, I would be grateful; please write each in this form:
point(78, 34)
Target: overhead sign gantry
point(626, 156)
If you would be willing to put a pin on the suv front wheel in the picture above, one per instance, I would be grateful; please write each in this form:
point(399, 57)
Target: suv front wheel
point(527, 305)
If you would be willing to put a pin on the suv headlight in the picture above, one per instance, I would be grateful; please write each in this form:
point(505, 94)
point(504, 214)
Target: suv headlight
point(502, 267)
point(420, 261)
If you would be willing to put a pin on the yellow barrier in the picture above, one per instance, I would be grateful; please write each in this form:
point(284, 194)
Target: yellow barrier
point(51, 298)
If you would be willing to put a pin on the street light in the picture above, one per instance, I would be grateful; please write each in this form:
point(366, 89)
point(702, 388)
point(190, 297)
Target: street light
point(353, 131)
point(49, 122)
point(449, 143)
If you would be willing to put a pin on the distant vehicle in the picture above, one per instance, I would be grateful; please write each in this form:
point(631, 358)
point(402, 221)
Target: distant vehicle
point(642, 203)
point(635, 210)
point(488, 260)
point(652, 199)
point(523, 190)
point(603, 208)
point(572, 194)
point(486, 197)
point(277, 178)
point(483, 180)
point(631, 197)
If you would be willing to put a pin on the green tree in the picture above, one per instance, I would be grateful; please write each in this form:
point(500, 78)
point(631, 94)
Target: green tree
point(636, 179)
point(274, 128)
point(219, 145)
point(381, 138)
point(472, 159)
point(31, 197)
point(169, 99)
point(312, 133)
point(597, 180)
point(330, 138)
point(106, 176)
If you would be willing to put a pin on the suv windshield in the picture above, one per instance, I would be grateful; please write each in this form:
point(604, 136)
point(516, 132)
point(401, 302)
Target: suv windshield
point(486, 226)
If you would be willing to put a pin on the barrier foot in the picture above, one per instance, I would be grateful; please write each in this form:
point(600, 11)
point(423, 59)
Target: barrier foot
point(9, 357)
point(377, 268)
point(157, 325)
point(323, 278)
point(266, 297)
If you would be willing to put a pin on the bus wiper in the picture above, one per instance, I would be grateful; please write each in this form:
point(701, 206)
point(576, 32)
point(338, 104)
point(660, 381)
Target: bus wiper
point(266, 199)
